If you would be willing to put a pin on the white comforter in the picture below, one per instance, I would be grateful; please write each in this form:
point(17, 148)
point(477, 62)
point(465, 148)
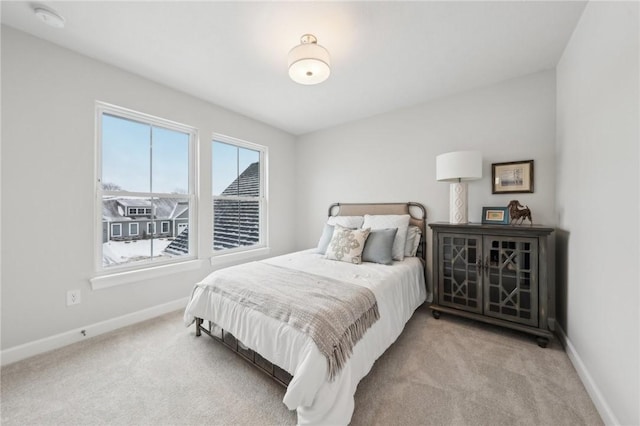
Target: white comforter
point(399, 290)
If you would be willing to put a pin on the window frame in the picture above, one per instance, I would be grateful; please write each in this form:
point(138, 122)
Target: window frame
point(150, 225)
point(113, 227)
point(137, 225)
point(162, 224)
point(262, 247)
point(101, 272)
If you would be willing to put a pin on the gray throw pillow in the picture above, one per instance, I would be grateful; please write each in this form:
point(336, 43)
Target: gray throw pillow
point(325, 239)
point(378, 248)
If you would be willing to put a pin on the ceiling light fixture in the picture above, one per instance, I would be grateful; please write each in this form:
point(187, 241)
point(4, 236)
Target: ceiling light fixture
point(49, 17)
point(309, 62)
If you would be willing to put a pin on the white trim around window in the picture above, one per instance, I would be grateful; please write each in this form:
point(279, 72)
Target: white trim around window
point(117, 226)
point(133, 225)
point(122, 272)
point(149, 226)
point(262, 246)
point(165, 227)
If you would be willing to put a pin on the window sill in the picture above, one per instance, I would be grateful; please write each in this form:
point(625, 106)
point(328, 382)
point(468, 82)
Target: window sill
point(237, 257)
point(120, 278)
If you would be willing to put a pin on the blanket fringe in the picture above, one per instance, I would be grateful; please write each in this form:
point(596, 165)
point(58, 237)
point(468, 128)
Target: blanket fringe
point(343, 350)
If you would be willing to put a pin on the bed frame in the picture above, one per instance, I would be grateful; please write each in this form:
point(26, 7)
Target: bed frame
point(418, 218)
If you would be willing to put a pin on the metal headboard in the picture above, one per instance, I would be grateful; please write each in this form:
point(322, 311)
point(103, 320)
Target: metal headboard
point(416, 210)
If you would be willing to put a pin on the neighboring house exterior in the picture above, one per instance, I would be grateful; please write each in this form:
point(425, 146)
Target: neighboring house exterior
point(236, 223)
point(125, 219)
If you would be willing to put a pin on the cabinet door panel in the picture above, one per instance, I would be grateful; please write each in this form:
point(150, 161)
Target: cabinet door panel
point(458, 275)
point(510, 279)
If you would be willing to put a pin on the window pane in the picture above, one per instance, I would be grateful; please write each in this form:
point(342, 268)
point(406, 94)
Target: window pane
point(125, 155)
point(249, 179)
point(236, 224)
point(226, 227)
point(249, 229)
point(116, 229)
point(172, 226)
point(128, 246)
point(170, 153)
point(224, 169)
point(236, 176)
point(140, 236)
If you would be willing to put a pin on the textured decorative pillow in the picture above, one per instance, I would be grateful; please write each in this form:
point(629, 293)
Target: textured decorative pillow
point(325, 239)
point(347, 244)
point(413, 240)
point(378, 246)
point(346, 221)
point(400, 221)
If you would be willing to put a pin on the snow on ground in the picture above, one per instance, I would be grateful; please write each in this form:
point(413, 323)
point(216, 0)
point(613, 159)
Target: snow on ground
point(119, 252)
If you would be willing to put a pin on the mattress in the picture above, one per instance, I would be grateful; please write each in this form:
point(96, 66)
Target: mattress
point(399, 289)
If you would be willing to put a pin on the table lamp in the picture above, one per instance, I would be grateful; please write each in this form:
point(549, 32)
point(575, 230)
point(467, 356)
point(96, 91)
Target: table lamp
point(458, 167)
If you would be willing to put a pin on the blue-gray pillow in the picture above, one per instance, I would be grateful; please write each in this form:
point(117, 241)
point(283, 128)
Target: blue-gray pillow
point(378, 248)
point(325, 239)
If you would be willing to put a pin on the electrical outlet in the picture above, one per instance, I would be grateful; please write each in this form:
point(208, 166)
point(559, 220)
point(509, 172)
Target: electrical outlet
point(73, 297)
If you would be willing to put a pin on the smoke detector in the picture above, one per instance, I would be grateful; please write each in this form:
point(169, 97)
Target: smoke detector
point(49, 17)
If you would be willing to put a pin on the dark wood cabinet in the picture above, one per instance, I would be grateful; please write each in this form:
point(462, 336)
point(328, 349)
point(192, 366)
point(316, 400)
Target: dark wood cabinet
point(498, 274)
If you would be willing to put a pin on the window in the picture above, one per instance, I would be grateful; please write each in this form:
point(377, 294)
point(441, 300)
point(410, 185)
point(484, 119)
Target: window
point(239, 202)
point(165, 227)
point(116, 230)
point(151, 228)
point(134, 229)
point(145, 167)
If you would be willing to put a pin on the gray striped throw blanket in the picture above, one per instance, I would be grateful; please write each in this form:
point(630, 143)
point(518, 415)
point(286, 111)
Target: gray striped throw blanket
point(333, 313)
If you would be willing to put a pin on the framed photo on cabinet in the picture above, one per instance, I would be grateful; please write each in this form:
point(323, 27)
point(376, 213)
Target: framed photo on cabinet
point(495, 215)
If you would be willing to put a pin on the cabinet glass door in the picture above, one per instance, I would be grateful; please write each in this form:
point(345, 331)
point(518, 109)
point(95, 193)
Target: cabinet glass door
point(458, 284)
point(510, 279)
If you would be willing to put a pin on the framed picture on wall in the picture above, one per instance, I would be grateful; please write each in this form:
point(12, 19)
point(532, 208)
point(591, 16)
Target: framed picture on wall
point(511, 178)
point(495, 215)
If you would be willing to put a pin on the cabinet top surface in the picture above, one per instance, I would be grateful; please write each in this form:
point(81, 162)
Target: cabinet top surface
point(466, 227)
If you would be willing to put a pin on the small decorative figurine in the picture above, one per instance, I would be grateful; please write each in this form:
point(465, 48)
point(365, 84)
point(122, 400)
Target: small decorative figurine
point(519, 212)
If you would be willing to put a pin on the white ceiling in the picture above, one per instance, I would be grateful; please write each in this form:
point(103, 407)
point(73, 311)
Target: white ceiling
point(385, 55)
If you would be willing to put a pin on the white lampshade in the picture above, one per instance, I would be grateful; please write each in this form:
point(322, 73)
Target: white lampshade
point(459, 166)
point(456, 168)
point(309, 63)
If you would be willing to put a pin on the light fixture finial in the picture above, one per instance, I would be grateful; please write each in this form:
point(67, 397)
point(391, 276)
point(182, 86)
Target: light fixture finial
point(308, 38)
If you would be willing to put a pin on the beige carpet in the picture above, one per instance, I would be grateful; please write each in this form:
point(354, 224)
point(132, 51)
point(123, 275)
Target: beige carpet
point(440, 372)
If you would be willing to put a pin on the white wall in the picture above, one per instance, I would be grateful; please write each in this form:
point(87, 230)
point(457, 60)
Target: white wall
point(597, 202)
point(48, 96)
point(391, 157)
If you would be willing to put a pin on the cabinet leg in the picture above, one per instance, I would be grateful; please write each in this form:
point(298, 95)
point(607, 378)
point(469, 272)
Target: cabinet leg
point(436, 314)
point(542, 341)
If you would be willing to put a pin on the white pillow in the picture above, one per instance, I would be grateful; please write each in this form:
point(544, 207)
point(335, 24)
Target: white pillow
point(400, 221)
point(346, 221)
point(413, 240)
point(347, 244)
point(325, 239)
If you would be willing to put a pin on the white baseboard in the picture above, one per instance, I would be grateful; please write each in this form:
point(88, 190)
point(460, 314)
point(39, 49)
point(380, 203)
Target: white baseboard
point(608, 417)
point(30, 349)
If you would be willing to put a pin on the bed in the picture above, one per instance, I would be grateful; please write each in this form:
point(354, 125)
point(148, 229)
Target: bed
point(320, 392)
